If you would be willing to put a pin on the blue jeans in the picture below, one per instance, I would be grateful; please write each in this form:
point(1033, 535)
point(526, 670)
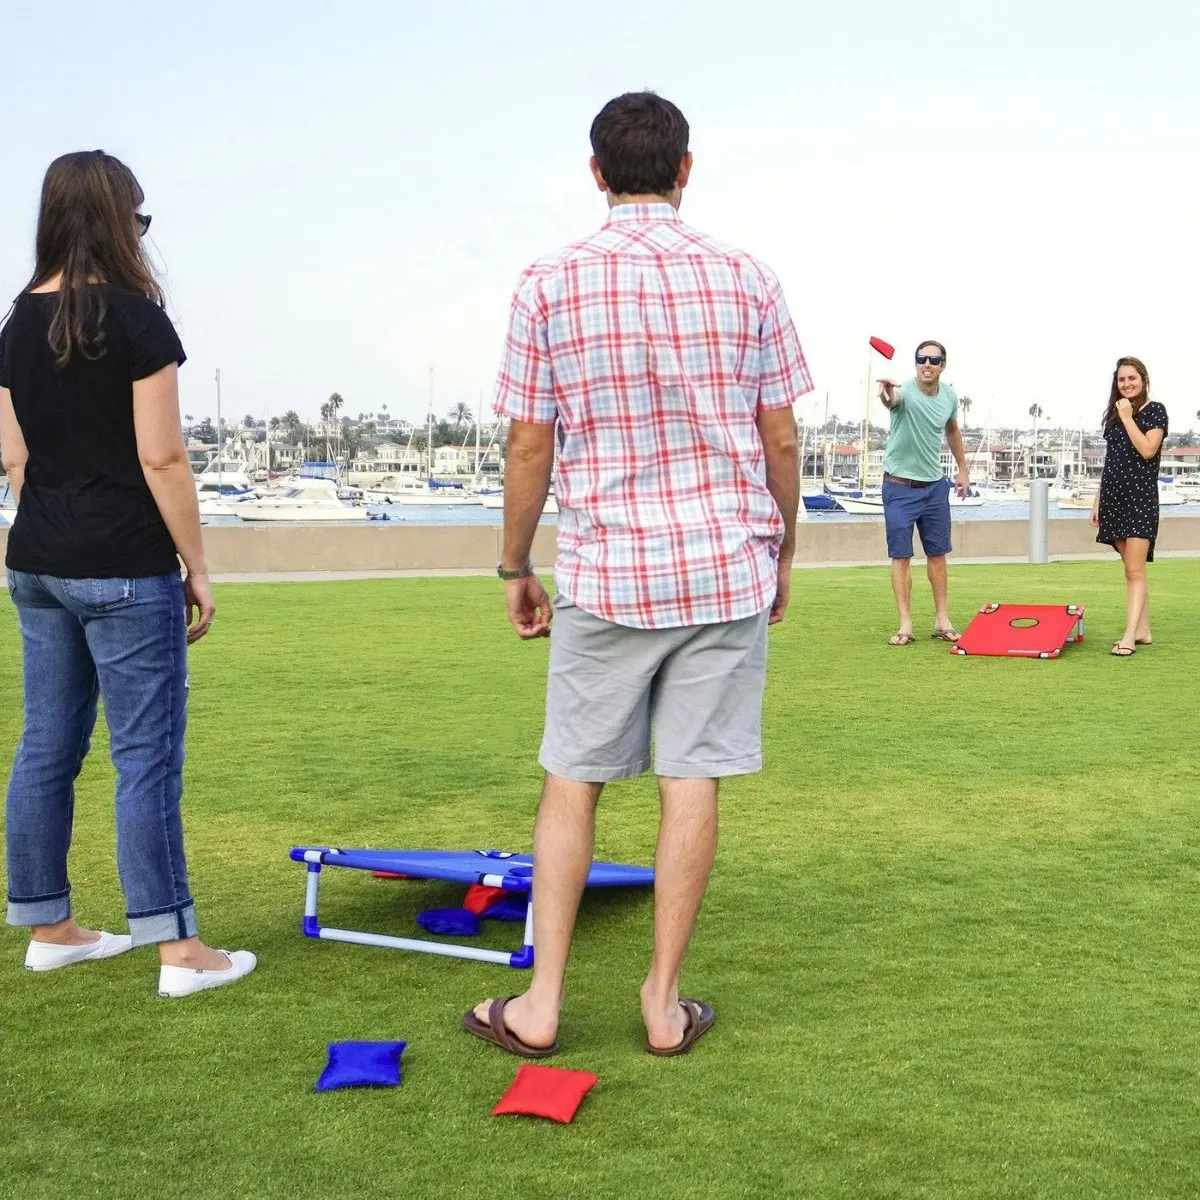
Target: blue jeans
point(124, 640)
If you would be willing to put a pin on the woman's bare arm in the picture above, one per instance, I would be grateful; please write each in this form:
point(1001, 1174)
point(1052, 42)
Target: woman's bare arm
point(13, 451)
point(1146, 444)
point(163, 455)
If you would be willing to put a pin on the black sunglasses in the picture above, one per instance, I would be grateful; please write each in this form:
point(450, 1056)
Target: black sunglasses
point(144, 221)
point(934, 360)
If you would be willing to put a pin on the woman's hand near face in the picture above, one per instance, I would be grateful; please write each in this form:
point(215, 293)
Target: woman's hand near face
point(1124, 409)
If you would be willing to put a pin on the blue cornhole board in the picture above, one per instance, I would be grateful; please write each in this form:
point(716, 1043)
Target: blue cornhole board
point(490, 868)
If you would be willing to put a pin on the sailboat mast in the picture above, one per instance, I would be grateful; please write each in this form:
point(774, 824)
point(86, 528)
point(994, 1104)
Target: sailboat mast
point(218, 380)
point(429, 421)
point(866, 440)
point(825, 454)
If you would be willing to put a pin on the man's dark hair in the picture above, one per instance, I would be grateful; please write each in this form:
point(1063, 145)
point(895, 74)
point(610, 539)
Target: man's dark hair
point(639, 140)
point(930, 342)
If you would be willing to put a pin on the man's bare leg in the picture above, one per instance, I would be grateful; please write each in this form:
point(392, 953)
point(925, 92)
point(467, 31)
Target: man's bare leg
point(902, 590)
point(563, 839)
point(935, 568)
point(687, 845)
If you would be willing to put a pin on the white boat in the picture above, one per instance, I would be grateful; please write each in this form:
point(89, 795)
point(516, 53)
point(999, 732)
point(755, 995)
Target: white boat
point(973, 499)
point(221, 485)
point(1006, 493)
point(1081, 498)
point(867, 505)
point(307, 500)
point(422, 492)
point(1168, 492)
point(495, 500)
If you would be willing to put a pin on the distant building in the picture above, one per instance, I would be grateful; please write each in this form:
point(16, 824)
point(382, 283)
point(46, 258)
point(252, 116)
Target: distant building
point(452, 460)
point(393, 426)
point(1183, 462)
point(390, 458)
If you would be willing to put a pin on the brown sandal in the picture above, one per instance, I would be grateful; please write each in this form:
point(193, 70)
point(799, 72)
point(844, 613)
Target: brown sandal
point(700, 1018)
point(946, 635)
point(499, 1034)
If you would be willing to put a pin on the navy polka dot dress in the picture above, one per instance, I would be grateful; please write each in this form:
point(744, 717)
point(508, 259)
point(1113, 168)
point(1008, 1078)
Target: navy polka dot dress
point(1129, 485)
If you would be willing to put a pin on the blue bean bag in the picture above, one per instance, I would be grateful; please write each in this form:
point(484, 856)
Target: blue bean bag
point(453, 922)
point(361, 1064)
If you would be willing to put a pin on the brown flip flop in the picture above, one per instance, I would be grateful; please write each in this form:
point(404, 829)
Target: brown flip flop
point(499, 1034)
point(946, 635)
point(700, 1018)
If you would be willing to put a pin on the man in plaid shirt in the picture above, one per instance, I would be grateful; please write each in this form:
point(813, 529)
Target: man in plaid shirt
point(665, 365)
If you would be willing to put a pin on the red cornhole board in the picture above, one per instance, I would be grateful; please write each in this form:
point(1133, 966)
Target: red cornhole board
point(1022, 630)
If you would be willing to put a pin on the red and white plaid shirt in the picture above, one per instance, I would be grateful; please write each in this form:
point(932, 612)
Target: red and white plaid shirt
point(654, 347)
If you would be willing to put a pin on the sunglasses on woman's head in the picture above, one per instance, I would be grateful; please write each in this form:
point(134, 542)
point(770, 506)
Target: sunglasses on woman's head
point(934, 360)
point(143, 222)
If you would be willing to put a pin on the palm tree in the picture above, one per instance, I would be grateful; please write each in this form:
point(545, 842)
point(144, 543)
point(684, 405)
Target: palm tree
point(292, 427)
point(460, 414)
point(965, 405)
point(334, 406)
point(1035, 411)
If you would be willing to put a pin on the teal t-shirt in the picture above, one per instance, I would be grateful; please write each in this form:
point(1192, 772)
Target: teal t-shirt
point(914, 448)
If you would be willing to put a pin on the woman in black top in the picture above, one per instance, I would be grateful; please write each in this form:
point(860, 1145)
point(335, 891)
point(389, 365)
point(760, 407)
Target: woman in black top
point(1126, 507)
point(91, 441)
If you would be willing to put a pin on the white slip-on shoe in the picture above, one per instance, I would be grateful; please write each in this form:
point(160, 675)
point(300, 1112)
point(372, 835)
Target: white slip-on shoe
point(45, 956)
point(177, 982)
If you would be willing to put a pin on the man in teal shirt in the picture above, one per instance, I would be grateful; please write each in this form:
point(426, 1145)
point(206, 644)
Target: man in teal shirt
point(915, 492)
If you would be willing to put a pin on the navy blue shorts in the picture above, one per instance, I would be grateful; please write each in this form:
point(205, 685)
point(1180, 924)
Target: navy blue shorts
point(927, 508)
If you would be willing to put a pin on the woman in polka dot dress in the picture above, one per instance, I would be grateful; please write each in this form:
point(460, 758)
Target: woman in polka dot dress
point(1126, 509)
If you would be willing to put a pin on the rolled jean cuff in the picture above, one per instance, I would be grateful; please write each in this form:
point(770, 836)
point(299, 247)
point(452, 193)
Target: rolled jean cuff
point(164, 927)
point(46, 910)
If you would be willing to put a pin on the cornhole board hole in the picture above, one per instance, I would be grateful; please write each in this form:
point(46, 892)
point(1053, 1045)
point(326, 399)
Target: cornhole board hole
point(1022, 630)
point(489, 868)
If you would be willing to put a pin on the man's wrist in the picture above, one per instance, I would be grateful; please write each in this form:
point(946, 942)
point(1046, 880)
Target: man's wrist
point(506, 571)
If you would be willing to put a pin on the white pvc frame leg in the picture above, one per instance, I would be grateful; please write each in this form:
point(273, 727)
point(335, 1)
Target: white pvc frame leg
point(314, 929)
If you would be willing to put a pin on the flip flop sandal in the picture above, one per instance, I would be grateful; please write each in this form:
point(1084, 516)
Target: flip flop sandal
point(700, 1018)
point(496, 1032)
point(902, 639)
point(1119, 651)
point(945, 635)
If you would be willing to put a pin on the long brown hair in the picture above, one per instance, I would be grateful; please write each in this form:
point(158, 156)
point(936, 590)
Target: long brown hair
point(87, 230)
point(1139, 402)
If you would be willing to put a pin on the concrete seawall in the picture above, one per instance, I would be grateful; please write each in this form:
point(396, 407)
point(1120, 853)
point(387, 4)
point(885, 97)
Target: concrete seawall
point(300, 550)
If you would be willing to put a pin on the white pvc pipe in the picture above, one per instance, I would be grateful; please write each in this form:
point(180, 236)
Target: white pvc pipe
point(423, 947)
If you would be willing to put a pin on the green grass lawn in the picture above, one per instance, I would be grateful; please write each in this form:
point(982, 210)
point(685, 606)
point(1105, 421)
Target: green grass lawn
point(951, 937)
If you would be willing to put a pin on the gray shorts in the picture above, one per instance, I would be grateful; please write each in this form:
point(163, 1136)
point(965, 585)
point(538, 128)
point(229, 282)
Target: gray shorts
point(699, 687)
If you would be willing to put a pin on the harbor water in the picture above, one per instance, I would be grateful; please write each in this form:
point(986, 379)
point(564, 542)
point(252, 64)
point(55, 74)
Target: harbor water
point(475, 514)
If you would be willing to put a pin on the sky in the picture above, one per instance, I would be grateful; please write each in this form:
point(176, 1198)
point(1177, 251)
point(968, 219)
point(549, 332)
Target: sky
point(344, 194)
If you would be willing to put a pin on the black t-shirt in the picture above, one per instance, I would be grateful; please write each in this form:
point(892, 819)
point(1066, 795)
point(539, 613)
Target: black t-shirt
point(86, 511)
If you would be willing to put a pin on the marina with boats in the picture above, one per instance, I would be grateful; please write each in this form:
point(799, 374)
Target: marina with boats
point(342, 471)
